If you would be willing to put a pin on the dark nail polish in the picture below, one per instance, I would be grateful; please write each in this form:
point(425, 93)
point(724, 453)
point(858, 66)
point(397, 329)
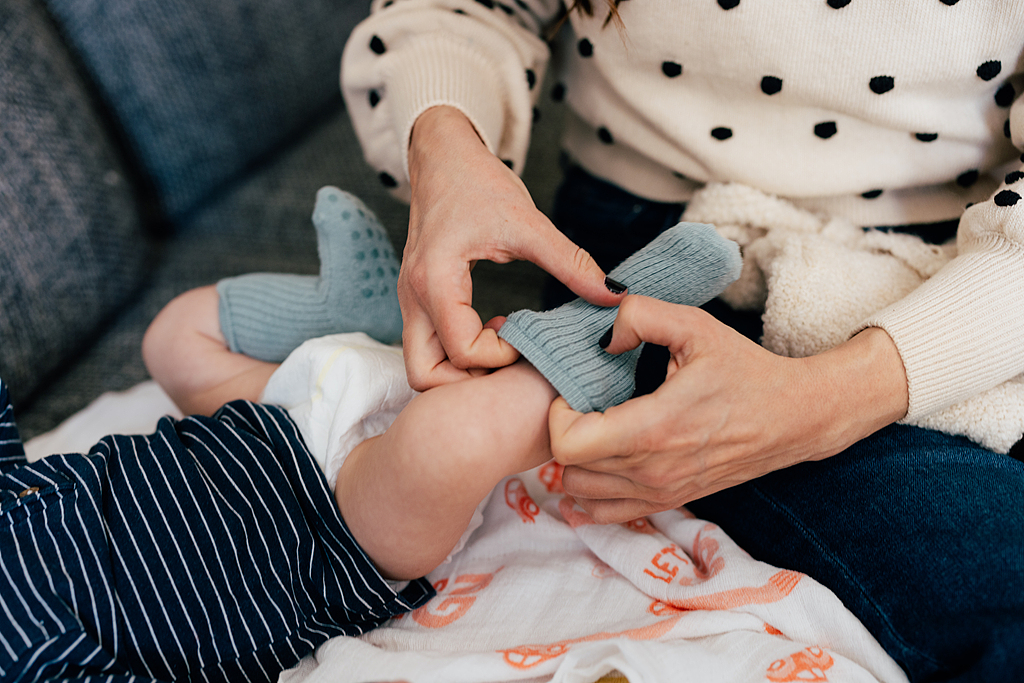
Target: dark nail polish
point(606, 338)
point(613, 286)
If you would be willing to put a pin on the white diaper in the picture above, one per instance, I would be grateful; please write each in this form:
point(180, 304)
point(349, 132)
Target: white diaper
point(341, 390)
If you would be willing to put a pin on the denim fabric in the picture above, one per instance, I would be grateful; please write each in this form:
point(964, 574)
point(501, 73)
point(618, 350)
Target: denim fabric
point(920, 534)
point(203, 89)
point(71, 244)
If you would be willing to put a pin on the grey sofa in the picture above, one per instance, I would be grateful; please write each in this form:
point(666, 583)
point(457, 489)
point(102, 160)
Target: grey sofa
point(151, 146)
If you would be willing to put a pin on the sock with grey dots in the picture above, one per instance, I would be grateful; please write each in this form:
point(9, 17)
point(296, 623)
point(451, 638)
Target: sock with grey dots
point(268, 315)
point(689, 264)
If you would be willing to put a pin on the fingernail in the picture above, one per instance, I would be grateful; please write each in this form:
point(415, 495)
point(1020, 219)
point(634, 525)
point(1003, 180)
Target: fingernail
point(606, 338)
point(613, 286)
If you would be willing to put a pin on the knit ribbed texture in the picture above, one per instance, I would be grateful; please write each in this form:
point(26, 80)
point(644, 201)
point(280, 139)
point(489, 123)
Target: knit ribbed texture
point(428, 58)
point(688, 264)
point(268, 315)
point(951, 362)
point(448, 73)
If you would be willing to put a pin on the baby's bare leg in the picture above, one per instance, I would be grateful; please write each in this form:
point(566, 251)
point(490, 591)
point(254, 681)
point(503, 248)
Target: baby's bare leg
point(186, 353)
point(409, 494)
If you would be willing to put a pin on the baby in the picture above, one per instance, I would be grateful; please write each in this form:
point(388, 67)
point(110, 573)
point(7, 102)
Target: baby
point(409, 493)
point(216, 548)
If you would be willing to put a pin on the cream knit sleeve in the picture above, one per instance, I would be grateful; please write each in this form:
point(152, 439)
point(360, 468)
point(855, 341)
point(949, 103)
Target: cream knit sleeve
point(483, 57)
point(962, 331)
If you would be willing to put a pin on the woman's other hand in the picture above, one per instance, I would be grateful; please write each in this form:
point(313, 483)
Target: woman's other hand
point(728, 412)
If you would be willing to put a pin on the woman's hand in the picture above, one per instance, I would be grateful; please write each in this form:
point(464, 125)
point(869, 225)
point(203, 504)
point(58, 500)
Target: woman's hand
point(728, 412)
point(467, 206)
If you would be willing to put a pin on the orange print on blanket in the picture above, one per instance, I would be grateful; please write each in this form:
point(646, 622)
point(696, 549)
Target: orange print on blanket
point(445, 609)
point(705, 562)
point(529, 656)
point(519, 500)
point(809, 665)
point(779, 585)
point(666, 563)
point(660, 609)
point(550, 474)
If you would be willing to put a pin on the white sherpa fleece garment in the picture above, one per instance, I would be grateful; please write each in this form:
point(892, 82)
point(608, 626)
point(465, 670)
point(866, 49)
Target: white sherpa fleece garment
point(821, 281)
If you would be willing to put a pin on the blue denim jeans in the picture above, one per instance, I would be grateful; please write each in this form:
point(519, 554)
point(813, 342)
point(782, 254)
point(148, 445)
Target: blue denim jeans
point(919, 533)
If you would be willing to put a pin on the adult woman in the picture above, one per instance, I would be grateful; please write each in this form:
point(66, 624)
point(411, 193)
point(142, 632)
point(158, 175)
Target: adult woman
point(834, 105)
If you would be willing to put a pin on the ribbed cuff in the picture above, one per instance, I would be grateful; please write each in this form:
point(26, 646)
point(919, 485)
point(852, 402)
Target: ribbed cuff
point(960, 332)
point(563, 348)
point(432, 71)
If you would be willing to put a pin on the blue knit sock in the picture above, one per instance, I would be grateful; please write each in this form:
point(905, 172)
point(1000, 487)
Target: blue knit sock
point(268, 315)
point(688, 264)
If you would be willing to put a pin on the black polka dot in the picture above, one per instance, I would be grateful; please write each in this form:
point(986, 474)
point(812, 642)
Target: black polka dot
point(967, 178)
point(459, 11)
point(728, 4)
point(374, 98)
point(389, 3)
point(838, 4)
point(507, 162)
point(605, 135)
point(671, 69)
point(1005, 95)
point(949, 2)
point(506, 9)
point(927, 137)
point(536, 115)
point(377, 45)
point(1006, 198)
point(523, 5)
point(989, 70)
point(881, 84)
point(771, 85)
point(531, 78)
point(872, 194)
point(825, 129)
point(1014, 177)
point(558, 92)
point(585, 47)
point(387, 180)
point(968, 205)
point(1006, 128)
point(721, 133)
point(489, 4)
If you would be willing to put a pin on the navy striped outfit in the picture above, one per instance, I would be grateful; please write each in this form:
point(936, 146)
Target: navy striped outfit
point(212, 550)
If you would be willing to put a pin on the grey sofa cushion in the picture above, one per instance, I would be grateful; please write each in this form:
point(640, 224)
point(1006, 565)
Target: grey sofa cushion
point(203, 88)
point(71, 247)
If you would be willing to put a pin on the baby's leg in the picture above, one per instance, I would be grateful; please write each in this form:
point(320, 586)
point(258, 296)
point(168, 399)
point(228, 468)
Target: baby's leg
point(186, 353)
point(408, 494)
point(217, 344)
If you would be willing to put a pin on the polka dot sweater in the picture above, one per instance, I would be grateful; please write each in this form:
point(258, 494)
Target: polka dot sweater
point(878, 112)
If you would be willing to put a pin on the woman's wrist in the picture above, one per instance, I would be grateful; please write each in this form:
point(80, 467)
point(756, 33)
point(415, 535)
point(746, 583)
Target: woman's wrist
point(439, 132)
point(862, 387)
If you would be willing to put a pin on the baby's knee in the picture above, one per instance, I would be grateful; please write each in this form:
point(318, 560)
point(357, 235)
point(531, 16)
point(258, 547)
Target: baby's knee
point(169, 337)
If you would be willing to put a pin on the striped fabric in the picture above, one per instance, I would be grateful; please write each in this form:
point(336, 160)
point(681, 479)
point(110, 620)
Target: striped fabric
point(212, 550)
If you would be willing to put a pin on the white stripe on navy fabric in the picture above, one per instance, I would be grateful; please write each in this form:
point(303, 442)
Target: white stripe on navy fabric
point(157, 555)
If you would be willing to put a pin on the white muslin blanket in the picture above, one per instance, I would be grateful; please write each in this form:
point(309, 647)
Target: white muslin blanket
point(540, 592)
